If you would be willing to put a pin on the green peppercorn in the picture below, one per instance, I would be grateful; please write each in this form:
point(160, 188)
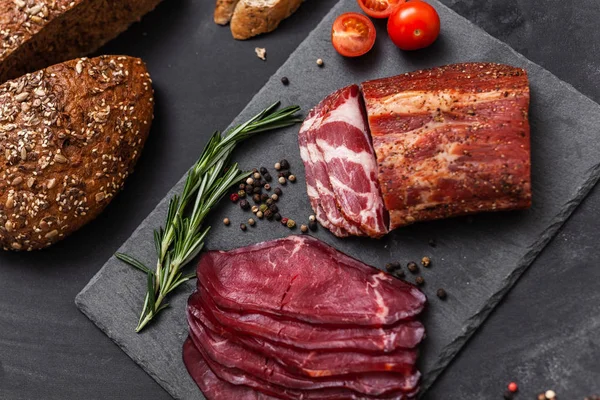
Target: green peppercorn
point(263, 207)
point(256, 198)
point(269, 202)
point(284, 164)
point(273, 208)
point(278, 191)
point(269, 215)
point(244, 205)
point(277, 217)
point(242, 194)
point(312, 225)
point(291, 224)
point(412, 267)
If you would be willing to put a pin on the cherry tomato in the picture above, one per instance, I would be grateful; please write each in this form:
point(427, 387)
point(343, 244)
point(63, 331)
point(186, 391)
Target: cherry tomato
point(414, 25)
point(379, 8)
point(353, 34)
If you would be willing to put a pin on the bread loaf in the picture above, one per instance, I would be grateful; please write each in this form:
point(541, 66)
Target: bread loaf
point(37, 33)
point(224, 11)
point(69, 137)
point(253, 17)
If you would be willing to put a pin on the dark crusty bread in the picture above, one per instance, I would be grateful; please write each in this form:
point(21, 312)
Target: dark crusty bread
point(37, 33)
point(253, 17)
point(69, 136)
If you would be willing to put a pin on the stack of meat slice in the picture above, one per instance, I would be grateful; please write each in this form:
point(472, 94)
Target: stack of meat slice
point(295, 319)
point(341, 171)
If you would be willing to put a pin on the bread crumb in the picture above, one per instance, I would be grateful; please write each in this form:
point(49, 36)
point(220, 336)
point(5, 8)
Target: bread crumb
point(261, 53)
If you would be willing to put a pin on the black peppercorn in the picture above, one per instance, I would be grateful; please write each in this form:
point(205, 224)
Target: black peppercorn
point(243, 227)
point(312, 225)
point(432, 243)
point(281, 175)
point(284, 164)
point(264, 197)
point(269, 214)
point(273, 208)
point(278, 191)
point(441, 293)
point(244, 205)
point(269, 202)
point(419, 280)
point(256, 190)
point(393, 266)
point(259, 182)
point(285, 81)
point(399, 274)
point(277, 217)
point(268, 177)
point(263, 170)
point(242, 186)
point(254, 170)
point(248, 188)
point(412, 267)
point(256, 198)
point(508, 395)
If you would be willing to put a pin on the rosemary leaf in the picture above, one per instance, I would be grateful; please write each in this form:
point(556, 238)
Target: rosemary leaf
point(182, 237)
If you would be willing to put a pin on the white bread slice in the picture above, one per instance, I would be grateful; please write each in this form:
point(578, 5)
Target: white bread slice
point(224, 11)
point(253, 17)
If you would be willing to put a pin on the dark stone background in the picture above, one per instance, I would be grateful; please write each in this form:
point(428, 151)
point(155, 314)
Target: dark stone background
point(544, 335)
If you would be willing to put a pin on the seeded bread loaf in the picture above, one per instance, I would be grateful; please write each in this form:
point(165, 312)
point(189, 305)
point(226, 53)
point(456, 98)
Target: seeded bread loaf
point(37, 33)
point(224, 11)
point(253, 17)
point(69, 137)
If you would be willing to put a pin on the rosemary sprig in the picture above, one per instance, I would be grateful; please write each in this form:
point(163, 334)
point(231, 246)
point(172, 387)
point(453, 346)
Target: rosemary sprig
point(182, 237)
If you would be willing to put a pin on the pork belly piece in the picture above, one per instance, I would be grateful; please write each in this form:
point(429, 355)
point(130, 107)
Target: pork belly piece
point(301, 277)
point(338, 155)
point(307, 336)
point(451, 140)
point(230, 353)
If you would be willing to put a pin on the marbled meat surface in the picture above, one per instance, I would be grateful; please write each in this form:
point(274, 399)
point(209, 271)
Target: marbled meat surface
point(451, 140)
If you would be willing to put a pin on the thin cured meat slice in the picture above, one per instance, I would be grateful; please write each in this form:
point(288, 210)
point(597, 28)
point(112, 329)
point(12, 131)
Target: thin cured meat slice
point(312, 336)
point(213, 387)
point(304, 278)
point(251, 365)
point(315, 163)
point(317, 364)
point(342, 138)
point(311, 183)
point(451, 140)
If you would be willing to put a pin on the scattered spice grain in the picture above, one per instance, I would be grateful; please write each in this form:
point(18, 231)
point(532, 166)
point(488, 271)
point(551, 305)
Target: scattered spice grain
point(226, 221)
point(412, 267)
point(320, 62)
point(441, 293)
point(285, 81)
point(312, 225)
point(243, 227)
point(426, 261)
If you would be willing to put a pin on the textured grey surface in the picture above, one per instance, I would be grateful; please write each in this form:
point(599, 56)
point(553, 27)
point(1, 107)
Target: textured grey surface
point(477, 262)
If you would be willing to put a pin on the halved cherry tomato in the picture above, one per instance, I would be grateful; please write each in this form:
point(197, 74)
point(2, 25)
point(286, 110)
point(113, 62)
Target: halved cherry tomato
point(414, 25)
point(353, 34)
point(379, 8)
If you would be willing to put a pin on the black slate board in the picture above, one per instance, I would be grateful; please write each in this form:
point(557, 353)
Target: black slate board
point(477, 259)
